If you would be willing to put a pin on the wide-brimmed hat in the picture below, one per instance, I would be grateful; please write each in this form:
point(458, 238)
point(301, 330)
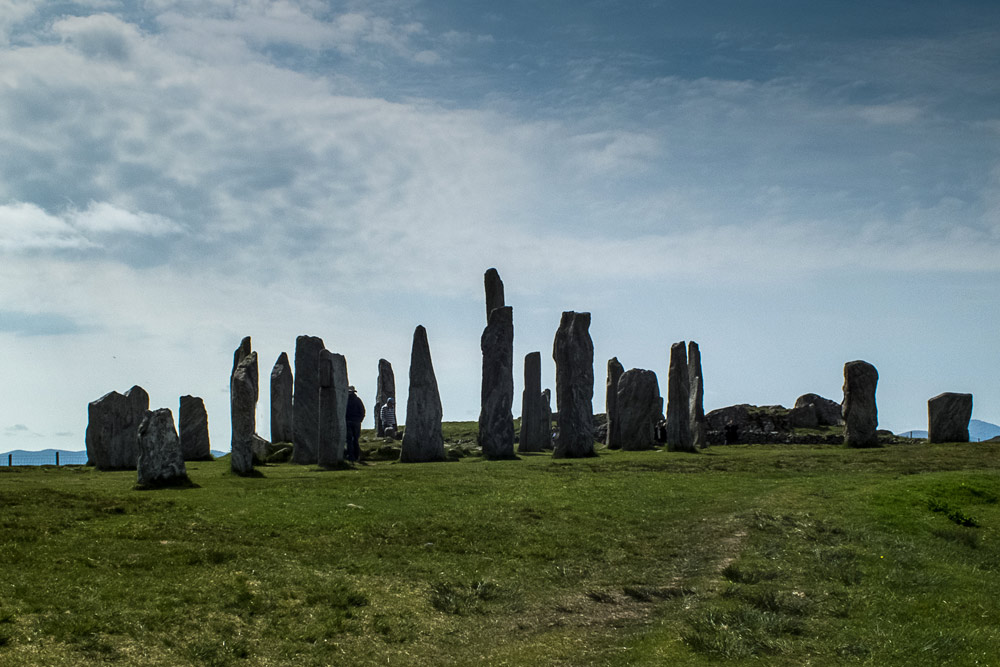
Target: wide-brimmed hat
point(352, 389)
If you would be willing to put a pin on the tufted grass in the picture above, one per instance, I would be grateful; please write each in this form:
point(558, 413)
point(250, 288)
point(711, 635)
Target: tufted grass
point(777, 555)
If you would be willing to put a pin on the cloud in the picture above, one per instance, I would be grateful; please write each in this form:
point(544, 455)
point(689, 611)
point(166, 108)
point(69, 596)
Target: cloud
point(25, 226)
point(20, 431)
point(105, 218)
point(37, 324)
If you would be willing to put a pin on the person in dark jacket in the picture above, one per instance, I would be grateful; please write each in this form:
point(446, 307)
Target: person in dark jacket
point(355, 415)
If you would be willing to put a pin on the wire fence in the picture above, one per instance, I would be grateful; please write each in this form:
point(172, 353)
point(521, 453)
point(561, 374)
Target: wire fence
point(46, 458)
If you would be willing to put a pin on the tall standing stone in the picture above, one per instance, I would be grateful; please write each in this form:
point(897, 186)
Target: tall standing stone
point(547, 418)
point(494, 292)
point(305, 409)
point(422, 440)
point(282, 418)
point(241, 353)
point(638, 409)
point(573, 352)
point(385, 388)
point(859, 409)
point(699, 429)
point(192, 420)
point(613, 440)
point(332, 409)
point(534, 433)
point(112, 427)
point(948, 416)
point(243, 412)
point(160, 460)
point(679, 437)
point(496, 421)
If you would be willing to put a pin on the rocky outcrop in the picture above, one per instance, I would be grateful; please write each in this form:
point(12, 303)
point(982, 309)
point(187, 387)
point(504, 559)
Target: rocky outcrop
point(193, 421)
point(858, 408)
point(282, 417)
point(306, 399)
point(422, 439)
point(160, 462)
point(948, 416)
point(573, 352)
point(112, 429)
point(812, 411)
point(613, 437)
point(638, 409)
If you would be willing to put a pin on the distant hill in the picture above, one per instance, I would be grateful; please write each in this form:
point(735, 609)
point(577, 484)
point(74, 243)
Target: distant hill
point(978, 430)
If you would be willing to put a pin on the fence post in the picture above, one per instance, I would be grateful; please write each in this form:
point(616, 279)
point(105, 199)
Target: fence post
point(57, 459)
point(10, 457)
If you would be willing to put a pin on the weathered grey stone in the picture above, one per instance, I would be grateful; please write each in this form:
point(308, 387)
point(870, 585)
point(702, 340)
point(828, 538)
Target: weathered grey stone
point(679, 438)
point(160, 461)
point(573, 352)
point(812, 410)
point(496, 422)
point(282, 417)
point(112, 426)
point(261, 449)
point(193, 422)
point(547, 418)
point(699, 429)
point(385, 388)
point(305, 408)
point(422, 440)
point(494, 292)
point(859, 409)
point(948, 416)
point(534, 432)
point(332, 409)
point(613, 439)
point(638, 409)
point(241, 353)
point(243, 412)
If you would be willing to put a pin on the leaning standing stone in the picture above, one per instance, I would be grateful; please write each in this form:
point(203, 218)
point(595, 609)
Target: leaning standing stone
point(243, 411)
point(160, 461)
point(332, 409)
point(193, 422)
point(948, 416)
point(533, 432)
point(615, 371)
point(306, 400)
point(385, 388)
point(494, 292)
point(422, 440)
point(496, 421)
point(282, 420)
point(573, 352)
point(638, 409)
point(679, 402)
point(859, 409)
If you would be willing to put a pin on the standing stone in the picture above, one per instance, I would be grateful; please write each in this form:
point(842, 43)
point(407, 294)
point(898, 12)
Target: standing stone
point(385, 388)
point(422, 440)
point(496, 422)
point(699, 429)
point(547, 418)
point(243, 412)
point(193, 422)
point(948, 416)
point(614, 437)
point(638, 409)
point(494, 292)
point(679, 437)
point(534, 433)
point(332, 409)
point(282, 419)
point(241, 353)
point(112, 426)
point(573, 352)
point(305, 410)
point(859, 409)
point(160, 460)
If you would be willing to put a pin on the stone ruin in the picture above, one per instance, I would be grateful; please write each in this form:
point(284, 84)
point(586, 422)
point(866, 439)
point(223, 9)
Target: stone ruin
point(385, 388)
point(612, 438)
point(333, 385)
point(948, 416)
point(536, 432)
point(160, 462)
point(859, 409)
point(282, 417)
point(638, 407)
point(679, 438)
point(193, 432)
point(573, 352)
point(243, 413)
point(496, 421)
point(112, 429)
point(422, 439)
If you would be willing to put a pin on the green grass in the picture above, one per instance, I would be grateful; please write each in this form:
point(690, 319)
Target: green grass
point(776, 555)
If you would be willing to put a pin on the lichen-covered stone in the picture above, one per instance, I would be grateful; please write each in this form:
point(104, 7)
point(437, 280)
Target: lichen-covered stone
point(112, 426)
point(422, 439)
point(160, 462)
point(638, 409)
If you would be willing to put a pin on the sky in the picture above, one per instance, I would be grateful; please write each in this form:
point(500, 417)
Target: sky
point(792, 185)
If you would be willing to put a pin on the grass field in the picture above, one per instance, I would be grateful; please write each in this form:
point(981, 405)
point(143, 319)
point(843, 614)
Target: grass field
point(757, 555)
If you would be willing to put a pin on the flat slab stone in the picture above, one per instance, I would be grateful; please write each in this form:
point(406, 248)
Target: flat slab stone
point(948, 416)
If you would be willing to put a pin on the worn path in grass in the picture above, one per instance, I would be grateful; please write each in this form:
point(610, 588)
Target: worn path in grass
point(752, 555)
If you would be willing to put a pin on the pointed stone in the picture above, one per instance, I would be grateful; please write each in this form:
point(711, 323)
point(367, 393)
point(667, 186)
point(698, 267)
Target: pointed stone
point(243, 412)
point(305, 409)
point(638, 409)
point(573, 352)
point(496, 421)
point(241, 353)
point(160, 461)
point(193, 422)
point(679, 402)
point(422, 440)
point(859, 409)
point(494, 292)
point(282, 417)
point(332, 409)
point(534, 433)
point(385, 388)
point(948, 416)
point(615, 370)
